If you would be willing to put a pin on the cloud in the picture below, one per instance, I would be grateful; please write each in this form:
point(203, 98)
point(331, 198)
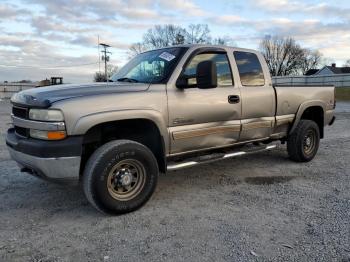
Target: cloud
point(323, 26)
point(7, 11)
point(61, 28)
point(74, 10)
point(44, 24)
point(278, 5)
point(10, 11)
point(228, 19)
point(37, 60)
point(302, 7)
point(91, 40)
point(44, 34)
point(186, 6)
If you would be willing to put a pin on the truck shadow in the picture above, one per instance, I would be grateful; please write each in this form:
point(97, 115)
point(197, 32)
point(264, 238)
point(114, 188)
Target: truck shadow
point(268, 180)
point(258, 169)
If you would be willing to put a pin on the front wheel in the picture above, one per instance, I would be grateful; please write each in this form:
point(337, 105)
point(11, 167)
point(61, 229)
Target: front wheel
point(303, 143)
point(120, 177)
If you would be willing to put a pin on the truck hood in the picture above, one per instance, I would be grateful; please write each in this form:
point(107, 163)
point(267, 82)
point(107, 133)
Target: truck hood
point(43, 97)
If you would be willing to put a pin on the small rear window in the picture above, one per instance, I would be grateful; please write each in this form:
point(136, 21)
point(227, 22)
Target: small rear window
point(250, 70)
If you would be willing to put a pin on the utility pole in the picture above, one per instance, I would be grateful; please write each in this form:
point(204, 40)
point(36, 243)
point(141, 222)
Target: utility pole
point(105, 57)
point(99, 54)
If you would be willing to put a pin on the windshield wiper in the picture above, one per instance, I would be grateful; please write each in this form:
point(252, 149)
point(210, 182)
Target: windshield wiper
point(127, 79)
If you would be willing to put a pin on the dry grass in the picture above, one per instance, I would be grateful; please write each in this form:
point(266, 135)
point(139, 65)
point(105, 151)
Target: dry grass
point(342, 94)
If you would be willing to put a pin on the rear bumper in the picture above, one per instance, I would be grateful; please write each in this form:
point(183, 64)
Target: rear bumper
point(52, 160)
point(332, 121)
point(329, 117)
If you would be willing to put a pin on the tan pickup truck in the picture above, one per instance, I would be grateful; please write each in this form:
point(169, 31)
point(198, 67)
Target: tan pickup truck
point(166, 109)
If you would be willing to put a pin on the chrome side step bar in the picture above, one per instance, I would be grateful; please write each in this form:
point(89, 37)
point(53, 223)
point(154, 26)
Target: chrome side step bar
point(216, 157)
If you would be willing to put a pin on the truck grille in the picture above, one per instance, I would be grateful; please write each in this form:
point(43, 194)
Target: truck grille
point(20, 112)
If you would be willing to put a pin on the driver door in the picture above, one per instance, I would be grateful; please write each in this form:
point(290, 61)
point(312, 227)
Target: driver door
point(201, 119)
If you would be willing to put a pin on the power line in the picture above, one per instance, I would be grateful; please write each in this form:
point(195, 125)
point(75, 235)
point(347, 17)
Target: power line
point(53, 67)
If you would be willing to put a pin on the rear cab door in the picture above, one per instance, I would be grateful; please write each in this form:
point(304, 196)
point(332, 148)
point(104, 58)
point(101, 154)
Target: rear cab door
point(257, 95)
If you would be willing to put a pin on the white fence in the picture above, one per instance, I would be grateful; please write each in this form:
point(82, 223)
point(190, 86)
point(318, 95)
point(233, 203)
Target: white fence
point(8, 89)
point(341, 80)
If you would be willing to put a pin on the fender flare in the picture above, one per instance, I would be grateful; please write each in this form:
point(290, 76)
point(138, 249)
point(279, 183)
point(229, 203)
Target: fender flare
point(83, 124)
point(302, 109)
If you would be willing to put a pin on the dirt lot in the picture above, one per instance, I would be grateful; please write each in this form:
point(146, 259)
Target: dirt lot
point(254, 208)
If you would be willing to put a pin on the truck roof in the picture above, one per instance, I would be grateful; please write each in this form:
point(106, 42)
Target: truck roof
point(207, 45)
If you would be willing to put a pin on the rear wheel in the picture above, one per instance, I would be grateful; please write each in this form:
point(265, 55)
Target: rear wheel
point(120, 177)
point(303, 143)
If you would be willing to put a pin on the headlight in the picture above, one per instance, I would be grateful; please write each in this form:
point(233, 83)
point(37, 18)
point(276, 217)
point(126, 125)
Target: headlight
point(47, 135)
point(49, 115)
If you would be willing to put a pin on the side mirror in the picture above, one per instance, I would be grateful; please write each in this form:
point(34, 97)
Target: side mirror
point(206, 75)
point(182, 82)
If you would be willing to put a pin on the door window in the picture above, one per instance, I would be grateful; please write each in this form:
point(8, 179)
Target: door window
point(224, 74)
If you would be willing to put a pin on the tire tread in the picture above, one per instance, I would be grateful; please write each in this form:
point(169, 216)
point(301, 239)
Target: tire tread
point(295, 139)
point(94, 161)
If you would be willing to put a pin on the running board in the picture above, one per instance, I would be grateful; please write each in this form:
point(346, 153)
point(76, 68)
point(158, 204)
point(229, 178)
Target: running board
point(216, 157)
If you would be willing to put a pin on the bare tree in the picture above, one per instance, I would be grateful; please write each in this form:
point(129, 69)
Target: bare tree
point(179, 39)
point(101, 77)
point(197, 34)
point(111, 70)
point(347, 63)
point(224, 40)
point(136, 49)
point(285, 57)
point(169, 35)
point(163, 35)
point(312, 59)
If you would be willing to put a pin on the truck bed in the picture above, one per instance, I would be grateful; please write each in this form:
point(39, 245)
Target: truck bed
point(290, 98)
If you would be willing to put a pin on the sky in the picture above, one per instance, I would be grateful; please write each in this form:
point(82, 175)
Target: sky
point(44, 38)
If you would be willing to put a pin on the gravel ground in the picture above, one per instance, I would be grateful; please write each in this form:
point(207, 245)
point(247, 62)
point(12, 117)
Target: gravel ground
point(260, 207)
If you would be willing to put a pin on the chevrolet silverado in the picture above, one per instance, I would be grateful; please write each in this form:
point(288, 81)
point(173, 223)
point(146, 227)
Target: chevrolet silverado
point(165, 110)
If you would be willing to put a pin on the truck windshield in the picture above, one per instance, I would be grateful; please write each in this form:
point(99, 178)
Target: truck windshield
point(150, 67)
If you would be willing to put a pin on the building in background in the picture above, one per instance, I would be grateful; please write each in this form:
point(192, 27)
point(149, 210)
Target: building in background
point(333, 70)
point(54, 81)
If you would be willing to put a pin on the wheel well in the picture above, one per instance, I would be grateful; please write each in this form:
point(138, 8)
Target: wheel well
point(316, 114)
point(143, 131)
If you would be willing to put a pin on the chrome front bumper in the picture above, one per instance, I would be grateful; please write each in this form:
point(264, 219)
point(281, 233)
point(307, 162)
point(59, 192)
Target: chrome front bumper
point(60, 168)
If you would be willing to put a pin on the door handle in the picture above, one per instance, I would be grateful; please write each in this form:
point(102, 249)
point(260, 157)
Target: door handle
point(234, 99)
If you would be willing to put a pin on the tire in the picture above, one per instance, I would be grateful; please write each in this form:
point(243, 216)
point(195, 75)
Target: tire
point(303, 143)
point(120, 177)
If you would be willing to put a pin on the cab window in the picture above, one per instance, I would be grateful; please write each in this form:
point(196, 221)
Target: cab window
point(224, 74)
point(249, 68)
